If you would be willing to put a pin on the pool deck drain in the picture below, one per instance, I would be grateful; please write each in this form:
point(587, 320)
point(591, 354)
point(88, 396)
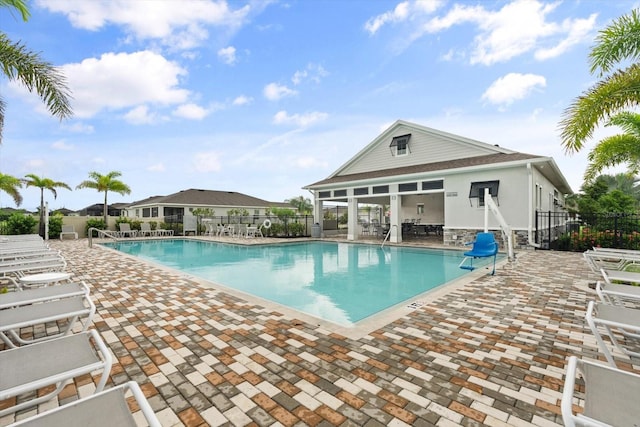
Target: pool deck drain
point(488, 352)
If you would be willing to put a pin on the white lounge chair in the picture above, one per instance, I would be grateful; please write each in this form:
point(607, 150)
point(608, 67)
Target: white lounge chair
point(105, 409)
point(53, 362)
point(124, 230)
point(617, 294)
point(613, 318)
point(14, 269)
point(32, 296)
point(620, 276)
point(51, 310)
point(145, 230)
point(610, 396)
point(610, 259)
point(68, 230)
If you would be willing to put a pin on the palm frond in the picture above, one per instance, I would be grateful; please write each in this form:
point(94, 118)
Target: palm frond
point(612, 151)
point(617, 42)
point(617, 92)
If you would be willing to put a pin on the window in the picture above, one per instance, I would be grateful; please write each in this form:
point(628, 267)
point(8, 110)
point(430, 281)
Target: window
point(538, 196)
point(339, 193)
point(360, 191)
point(380, 189)
point(154, 212)
point(400, 145)
point(420, 209)
point(477, 190)
point(411, 186)
point(433, 185)
point(146, 212)
point(324, 194)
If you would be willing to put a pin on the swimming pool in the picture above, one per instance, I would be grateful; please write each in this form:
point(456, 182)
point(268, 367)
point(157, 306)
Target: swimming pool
point(340, 282)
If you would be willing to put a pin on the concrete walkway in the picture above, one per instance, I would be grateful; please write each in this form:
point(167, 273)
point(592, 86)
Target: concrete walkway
point(490, 352)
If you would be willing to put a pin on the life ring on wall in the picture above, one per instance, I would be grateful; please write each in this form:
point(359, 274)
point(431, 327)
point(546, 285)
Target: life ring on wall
point(267, 223)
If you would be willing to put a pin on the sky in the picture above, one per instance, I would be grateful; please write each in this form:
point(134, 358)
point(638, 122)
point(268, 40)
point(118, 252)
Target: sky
point(265, 97)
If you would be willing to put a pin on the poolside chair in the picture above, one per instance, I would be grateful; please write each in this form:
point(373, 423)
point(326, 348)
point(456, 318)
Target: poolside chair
point(105, 409)
point(610, 259)
point(610, 395)
point(145, 230)
point(620, 275)
point(68, 230)
point(46, 310)
point(613, 318)
point(124, 230)
point(32, 296)
point(618, 294)
point(51, 363)
point(484, 246)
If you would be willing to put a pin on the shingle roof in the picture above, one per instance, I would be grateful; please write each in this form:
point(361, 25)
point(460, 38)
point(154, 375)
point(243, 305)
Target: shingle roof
point(194, 196)
point(429, 167)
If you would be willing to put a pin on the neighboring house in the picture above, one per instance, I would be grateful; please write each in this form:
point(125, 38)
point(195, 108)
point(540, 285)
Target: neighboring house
point(412, 172)
point(97, 209)
point(183, 203)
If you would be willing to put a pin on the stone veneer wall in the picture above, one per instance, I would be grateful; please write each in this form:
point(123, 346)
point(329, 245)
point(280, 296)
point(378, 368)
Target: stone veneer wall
point(458, 237)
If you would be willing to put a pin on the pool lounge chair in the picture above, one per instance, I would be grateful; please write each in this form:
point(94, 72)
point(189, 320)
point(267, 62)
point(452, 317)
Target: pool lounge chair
point(610, 276)
point(53, 362)
point(618, 294)
point(485, 246)
point(610, 259)
point(613, 318)
point(51, 310)
point(32, 296)
point(145, 230)
point(124, 230)
point(610, 395)
point(68, 230)
point(105, 409)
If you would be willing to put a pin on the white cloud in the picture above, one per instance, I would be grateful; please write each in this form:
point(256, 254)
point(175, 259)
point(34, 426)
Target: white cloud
point(302, 120)
point(228, 55)
point(274, 91)
point(313, 72)
point(309, 162)
point(123, 80)
point(62, 145)
point(35, 163)
point(512, 87)
point(176, 23)
point(520, 26)
point(242, 100)
point(78, 127)
point(158, 167)
point(191, 111)
point(140, 115)
point(207, 162)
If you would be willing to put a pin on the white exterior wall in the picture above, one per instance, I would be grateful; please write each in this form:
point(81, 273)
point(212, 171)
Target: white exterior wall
point(513, 199)
point(433, 208)
point(423, 148)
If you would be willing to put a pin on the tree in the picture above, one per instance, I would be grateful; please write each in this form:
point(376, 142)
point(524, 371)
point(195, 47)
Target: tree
point(302, 205)
point(10, 184)
point(104, 184)
point(44, 184)
point(616, 149)
point(18, 63)
point(616, 91)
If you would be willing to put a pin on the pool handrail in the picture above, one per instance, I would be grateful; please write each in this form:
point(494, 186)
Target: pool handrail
point(387, 236)
point(106, 233)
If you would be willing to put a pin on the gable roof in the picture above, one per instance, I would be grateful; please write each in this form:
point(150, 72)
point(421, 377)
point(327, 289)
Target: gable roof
point(476, 155)
point(200, 197)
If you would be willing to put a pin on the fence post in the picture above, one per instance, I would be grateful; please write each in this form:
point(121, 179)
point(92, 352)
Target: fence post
point(616, 242)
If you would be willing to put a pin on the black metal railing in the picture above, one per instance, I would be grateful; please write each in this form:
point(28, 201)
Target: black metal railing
point(579, 232)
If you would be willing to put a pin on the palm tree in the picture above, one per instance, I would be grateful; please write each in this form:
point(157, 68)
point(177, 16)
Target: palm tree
point(44, 184)
point(619, 90)
point(10, 184)
point(18, 63)
point(616, 149)
point(104, 184)
point(304, 206)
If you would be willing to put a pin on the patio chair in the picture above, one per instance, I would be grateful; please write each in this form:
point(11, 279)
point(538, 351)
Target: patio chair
point(105, 409)
point(47, 310)
point(610, 259)
point(610, 395)
point(68, 230)
point(13, 270)
point(124, 230)
point(617, 294)
point(613, 318)
point(32, 296)
point(620, 275)
point(484, 246)
point(145, 230)
point(51, 363)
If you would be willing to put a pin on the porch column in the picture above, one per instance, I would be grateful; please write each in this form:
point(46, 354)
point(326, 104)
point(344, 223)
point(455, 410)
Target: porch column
point(395, 220)
point(352, 218)
point(317, 211)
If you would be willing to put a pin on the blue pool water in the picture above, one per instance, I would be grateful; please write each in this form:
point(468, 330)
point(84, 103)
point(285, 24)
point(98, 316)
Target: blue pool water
point(339, 282)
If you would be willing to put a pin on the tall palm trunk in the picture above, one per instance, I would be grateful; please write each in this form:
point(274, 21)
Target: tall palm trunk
point(41, 226)
point(105, 211)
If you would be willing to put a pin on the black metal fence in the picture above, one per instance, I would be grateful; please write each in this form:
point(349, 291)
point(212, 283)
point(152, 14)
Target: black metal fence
point(579, 232)
point(271, 226)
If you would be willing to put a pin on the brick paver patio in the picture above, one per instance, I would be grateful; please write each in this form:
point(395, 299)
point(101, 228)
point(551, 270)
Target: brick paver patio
point(490, 352)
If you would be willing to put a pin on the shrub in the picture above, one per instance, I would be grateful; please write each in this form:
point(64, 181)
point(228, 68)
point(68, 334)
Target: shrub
point(21, 224)
point(55, 226)
point(95, 223)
